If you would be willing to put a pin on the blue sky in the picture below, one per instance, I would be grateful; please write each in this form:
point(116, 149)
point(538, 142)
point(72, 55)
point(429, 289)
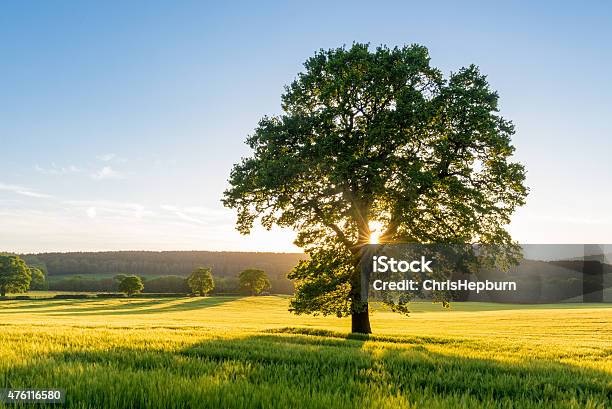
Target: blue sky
point(120, 121)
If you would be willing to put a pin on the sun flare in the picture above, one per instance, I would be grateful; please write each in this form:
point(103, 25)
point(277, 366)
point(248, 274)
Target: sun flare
point(375, 232)
point(374, 237)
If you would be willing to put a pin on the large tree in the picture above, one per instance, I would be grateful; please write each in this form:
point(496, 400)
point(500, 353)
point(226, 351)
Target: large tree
point(131, 285)
point(201, 281)
point(15, 275)
point(254, 281)
point(377, 139)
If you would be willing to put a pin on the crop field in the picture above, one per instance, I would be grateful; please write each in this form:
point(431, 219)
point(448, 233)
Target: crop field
point(230, 352)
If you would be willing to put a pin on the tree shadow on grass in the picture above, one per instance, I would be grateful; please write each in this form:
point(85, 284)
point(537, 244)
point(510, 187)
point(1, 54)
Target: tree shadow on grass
point(316, 369)
point(125, 307)
point(34, 304)
point(130, 307)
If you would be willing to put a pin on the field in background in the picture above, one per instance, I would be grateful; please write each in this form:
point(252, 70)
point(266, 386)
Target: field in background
point(250, 352)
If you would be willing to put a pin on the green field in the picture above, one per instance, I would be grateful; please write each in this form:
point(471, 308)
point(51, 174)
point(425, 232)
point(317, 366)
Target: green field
point(223, 352)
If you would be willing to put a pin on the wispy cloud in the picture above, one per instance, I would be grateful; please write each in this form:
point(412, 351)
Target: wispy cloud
point(91, 212)
point(26, 230)
point(110, 158)
point(93, 225)
point(181, 214)
point(101, 208)
point(195, 214)
point(107, 157)
point(107, 172)
point(57, 170)
point(24, 191)
point(96, 208)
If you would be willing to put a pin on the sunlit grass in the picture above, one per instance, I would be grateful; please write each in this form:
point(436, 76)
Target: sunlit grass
point(250, 352)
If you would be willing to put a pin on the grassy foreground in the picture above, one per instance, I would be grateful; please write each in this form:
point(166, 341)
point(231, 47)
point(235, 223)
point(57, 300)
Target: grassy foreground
point(228, 352)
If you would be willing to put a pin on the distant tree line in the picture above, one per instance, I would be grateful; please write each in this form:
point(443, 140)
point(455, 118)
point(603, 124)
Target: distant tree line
point(200, 282)
point(17, 277)
point(163, 263)
point(166, 284)
point(161, 271)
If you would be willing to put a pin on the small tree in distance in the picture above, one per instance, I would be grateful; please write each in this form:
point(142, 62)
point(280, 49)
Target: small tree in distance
point(254, 281)
point(201, 281)
point(14, 275)
point(39, 281)
point(131, 285)
point(119, 277)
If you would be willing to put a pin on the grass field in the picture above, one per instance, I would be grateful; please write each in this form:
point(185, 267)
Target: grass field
point(229, 352)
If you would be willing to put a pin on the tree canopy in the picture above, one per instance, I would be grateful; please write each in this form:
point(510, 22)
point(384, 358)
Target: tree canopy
point(254, 281)
point(39, 281)
point(201, 281)
point(15, 275)
point(131, 285)
point(377, 139)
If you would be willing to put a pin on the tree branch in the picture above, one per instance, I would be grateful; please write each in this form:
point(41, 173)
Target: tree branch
point(334, 227)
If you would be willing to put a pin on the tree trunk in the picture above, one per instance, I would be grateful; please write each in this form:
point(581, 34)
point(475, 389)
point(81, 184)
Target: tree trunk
point(360, 317)
point(360, 322)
